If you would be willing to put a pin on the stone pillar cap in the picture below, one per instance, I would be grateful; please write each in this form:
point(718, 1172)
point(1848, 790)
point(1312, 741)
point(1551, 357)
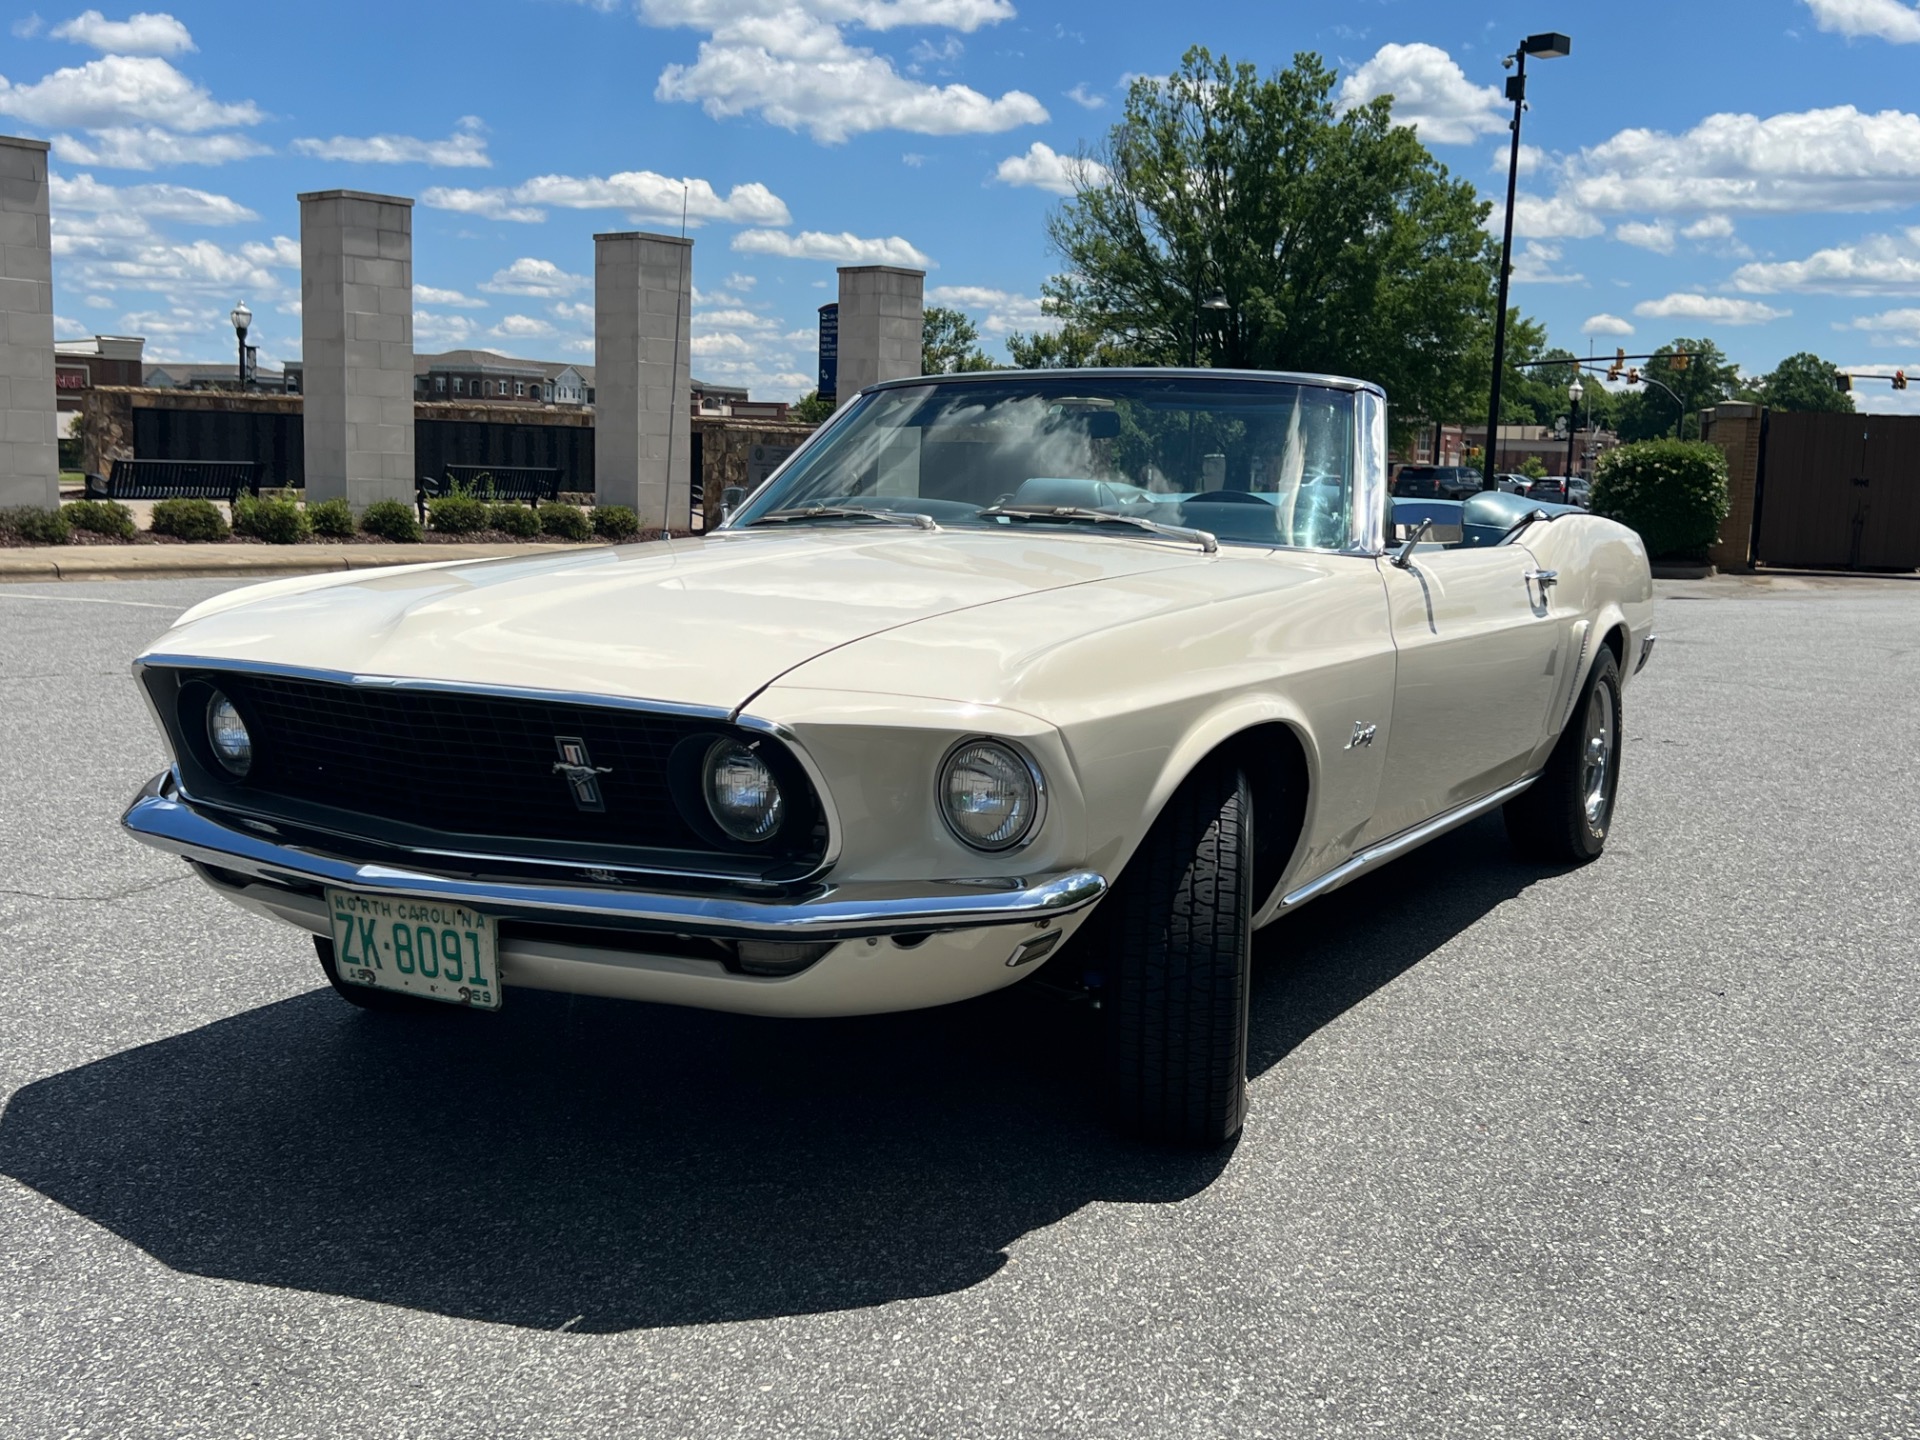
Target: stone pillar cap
point(406, 200)
point(881, 270)
point(645, 235)
point(24, 143)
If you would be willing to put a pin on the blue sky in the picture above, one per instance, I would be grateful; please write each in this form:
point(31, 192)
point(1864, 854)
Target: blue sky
point(1746, 171)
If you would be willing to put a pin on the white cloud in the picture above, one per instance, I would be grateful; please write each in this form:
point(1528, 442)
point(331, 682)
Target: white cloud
point(67, 329)
point(725, 342)
point(120, 90)
point(82, 193)
point(841, 249)
point(528, 276)
point(487, 204)
point(1891, 327)
point(433, 295)
point(791, 64)
point(149, 147)
point(1716, 309)
point(740, 280)
point(1814, 160)
point(1877, 265)
point(733, 320)
point(574, 312)
point(1710, 227)
point(1605, 324)
point(200, 265)
point(27, 26)
point(1534, 266)
point(925, 52)
point(441, 332)
point(644, 195)
point(913, 159)
point(1430, 93)
point(1532, 157)
point(521, 327)
point(1888, 20)
point(141, 34)
point(995, 311)
point(1089, 99)
point(1657, 235)
point(1044, 168)
point(466, 147)
point(98, 302)
point(1546, 218)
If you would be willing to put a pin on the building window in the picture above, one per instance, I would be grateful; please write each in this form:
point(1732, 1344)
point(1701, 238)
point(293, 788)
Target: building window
point(440, 383)
point(459, 386)
point(519, 389)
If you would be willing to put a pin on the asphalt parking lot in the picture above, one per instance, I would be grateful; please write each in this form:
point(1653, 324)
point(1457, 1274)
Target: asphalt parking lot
point(1628, 1151)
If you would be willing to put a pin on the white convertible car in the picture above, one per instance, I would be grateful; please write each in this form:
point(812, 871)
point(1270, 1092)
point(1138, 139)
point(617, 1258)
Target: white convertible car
point(1106, 669)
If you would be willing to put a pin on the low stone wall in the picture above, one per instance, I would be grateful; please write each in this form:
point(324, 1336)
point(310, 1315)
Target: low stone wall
point(740, 452)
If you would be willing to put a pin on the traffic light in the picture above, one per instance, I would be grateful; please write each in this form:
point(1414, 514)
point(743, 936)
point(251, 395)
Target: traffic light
point(1619, 363)
point(1842, 380)
point(1678, 362)
point(1899, 379)
point(1633, 376)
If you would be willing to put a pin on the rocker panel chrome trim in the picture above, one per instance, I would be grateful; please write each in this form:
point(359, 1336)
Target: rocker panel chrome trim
point(1394, 846)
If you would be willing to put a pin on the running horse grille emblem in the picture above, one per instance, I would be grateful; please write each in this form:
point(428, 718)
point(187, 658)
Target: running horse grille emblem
point(583, 776)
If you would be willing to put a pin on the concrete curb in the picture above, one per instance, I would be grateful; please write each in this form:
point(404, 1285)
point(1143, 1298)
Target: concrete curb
point(183, 562)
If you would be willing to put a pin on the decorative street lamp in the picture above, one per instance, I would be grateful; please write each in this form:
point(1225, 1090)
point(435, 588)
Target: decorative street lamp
point(242, 317)
point(1576, 392)
point(1550, 46)
point(1217, 301)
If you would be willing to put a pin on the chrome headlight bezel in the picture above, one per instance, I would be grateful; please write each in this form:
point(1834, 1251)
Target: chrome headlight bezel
point(1021, 762)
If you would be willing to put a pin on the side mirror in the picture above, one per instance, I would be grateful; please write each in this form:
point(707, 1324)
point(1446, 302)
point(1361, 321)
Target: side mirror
point(731, 499)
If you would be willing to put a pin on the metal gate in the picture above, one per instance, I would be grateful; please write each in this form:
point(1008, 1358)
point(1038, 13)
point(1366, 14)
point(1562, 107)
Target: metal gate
point(1839, 492)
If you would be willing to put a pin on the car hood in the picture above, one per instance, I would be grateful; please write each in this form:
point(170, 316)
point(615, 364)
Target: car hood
point(700, 622)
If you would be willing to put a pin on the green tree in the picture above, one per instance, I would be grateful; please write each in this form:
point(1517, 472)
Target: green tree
point(949, 343)
point(1337, 241)
point(1069, 347)
point(1699, 382)
point(811, 409)
point(1804, 382)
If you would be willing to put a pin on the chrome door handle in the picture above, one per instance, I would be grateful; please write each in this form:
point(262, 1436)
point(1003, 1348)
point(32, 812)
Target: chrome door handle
point(1545, 577)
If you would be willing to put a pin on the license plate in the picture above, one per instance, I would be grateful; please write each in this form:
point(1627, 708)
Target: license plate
point(419, 947)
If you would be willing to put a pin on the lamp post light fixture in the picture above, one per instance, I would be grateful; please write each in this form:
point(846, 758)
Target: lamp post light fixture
point(242, 317)
point(1576, 392)
point(1548, 46)
point(1217, 301)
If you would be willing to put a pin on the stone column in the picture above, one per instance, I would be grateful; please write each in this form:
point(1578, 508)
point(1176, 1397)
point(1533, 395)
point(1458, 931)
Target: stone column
point(880, 314)
point(642, 387)
point(356, 345)
point(29, 444)
point(1735, 428)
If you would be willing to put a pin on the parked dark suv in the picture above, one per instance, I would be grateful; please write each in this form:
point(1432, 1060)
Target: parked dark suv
point(1436, 482)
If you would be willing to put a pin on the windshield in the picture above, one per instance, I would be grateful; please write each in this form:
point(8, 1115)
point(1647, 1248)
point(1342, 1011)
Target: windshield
point(1252, 462)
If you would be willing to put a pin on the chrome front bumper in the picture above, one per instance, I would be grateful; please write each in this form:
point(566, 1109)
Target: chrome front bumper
point(820, 911)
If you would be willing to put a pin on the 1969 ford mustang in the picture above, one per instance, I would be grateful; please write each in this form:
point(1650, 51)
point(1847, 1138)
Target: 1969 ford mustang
point(1105, 669)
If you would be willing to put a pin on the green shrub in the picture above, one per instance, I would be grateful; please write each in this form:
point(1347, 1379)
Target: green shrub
point(245, 507)
point(457, 514)
point(331, 518)
point(1674, 492)
point(615, 522)
point(102, 517)
point(391, 520)
point(278, 522)
point(518, 520)
point(35, 526)
point(187, 519)
point(564, 522)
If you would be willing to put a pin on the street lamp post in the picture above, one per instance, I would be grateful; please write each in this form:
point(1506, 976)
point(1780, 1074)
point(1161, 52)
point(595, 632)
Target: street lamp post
point(1576, 392)
point(242, 317)
point(1216, 301)
point(1549, 46)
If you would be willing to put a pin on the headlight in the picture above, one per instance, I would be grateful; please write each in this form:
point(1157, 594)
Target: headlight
point(227, 734)
point(741, 794)
point(990, 794)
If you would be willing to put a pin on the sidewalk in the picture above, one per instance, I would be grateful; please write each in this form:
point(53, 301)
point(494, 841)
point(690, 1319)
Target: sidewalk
point(242, 562)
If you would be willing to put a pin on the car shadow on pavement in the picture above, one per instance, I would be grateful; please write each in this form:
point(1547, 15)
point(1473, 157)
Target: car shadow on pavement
point(599, 1166)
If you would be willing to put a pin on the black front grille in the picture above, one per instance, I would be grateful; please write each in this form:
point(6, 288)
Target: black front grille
point(470, 765)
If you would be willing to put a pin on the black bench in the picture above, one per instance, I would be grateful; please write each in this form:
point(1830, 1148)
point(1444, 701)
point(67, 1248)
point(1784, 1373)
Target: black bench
point(167, 479)
point(531, 483)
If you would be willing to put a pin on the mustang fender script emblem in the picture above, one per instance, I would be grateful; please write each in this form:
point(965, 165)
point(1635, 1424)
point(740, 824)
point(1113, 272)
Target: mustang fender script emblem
point(583, 776)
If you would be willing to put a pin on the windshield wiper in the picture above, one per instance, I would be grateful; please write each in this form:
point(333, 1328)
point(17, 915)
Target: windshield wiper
point(847, 512)
point(1204, 539)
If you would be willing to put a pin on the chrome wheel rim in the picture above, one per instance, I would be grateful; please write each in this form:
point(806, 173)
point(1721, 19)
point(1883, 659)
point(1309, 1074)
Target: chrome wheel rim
point(1596, 772)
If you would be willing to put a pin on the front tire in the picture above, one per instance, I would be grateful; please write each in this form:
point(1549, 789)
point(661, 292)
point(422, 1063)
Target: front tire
point(1180, 956)
point(1564, 816)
